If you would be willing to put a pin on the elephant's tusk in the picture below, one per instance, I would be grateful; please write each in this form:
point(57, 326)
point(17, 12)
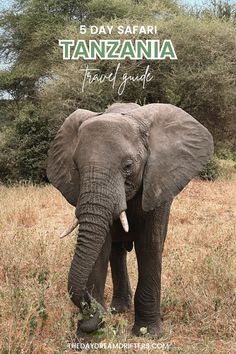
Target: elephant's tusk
point(124, 221)
point(70, 228)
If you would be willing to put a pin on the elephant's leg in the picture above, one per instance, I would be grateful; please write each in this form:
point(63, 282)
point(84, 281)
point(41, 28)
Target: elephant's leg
point(149, 247)
point(122, 294)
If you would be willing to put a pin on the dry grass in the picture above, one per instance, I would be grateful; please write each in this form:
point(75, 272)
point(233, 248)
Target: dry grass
point(198, 295)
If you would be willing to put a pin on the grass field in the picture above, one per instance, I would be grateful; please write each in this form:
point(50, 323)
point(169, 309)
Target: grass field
point(199, 273)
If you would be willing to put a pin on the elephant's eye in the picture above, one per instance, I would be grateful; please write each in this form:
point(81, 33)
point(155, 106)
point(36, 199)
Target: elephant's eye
point(127, 168)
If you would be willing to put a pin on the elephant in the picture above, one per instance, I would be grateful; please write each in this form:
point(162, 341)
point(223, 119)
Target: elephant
point(121, 170)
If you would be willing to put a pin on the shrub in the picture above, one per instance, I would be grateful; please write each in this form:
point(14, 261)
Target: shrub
point(24, 152)
point(211, 170)
point(226, 151)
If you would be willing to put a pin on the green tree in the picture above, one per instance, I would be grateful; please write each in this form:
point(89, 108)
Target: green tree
point(29, 33)
point(23, 156)
point(45, 88)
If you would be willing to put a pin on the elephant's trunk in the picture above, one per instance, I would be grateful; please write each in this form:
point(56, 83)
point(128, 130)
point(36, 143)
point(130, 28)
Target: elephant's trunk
point(95, 211)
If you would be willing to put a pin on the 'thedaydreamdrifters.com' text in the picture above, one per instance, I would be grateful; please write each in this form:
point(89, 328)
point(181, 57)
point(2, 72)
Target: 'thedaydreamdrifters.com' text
point(120, 346)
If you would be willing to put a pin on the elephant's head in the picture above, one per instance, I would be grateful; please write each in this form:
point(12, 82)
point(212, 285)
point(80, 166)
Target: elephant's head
point(100, 161)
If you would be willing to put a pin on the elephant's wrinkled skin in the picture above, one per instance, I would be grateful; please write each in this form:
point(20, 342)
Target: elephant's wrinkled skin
point(128, 158)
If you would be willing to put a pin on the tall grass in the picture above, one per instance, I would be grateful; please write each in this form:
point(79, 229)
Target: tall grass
point(198, 282)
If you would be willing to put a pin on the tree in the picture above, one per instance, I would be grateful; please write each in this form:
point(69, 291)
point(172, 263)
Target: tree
point(29, 33)
point(45, 88)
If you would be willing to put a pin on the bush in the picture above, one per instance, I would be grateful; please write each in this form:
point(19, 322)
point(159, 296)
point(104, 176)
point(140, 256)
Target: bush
point(23, 155)
point(211, 171)
point(226, 151)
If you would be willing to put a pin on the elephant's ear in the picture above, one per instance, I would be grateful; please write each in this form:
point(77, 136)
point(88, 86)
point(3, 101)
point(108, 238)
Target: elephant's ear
point(179, 147)
point(61, 170)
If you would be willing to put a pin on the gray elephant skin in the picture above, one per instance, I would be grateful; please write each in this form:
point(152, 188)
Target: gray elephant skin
point(130, 158)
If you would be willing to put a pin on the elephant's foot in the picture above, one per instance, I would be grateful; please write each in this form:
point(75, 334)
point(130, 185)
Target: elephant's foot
point(154, 331)
point(121, 304)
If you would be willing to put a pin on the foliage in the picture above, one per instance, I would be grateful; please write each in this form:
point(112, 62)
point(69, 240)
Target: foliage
point(225, 150)
point(223, 10)
point(109, 9)
point(45, 89)
point(201, 81)
point(102, 10)
point(24, 151)
point(211, 170)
